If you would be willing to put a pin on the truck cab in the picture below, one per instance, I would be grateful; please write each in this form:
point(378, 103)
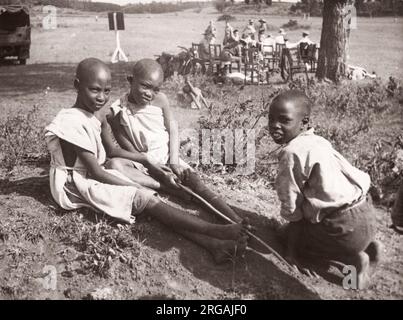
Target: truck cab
point(15, 32)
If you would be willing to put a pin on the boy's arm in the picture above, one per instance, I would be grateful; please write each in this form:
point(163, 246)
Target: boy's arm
point(160, 172)
point(119, 134)
point(96, 171)
point(288, 189)
point(112, 150)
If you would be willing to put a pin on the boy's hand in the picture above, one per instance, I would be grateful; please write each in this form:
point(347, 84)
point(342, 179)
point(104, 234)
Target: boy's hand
point(179, 171)
point(162, 173)
point(170, 179)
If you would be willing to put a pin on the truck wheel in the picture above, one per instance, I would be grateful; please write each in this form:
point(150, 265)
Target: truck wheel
point(23, 61)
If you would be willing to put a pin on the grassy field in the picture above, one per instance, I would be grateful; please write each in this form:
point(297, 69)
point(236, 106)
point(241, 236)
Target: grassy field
point(375, 40)
point(146, 260)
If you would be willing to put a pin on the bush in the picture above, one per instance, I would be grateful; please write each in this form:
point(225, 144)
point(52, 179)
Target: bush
point(226, 17)
point(21, 139)
point(294, 25)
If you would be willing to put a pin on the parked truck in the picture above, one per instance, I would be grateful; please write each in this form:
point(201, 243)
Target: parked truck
point(15, 32)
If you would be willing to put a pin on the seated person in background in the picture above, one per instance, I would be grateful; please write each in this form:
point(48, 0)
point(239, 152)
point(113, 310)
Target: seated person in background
point(305, 38)
point(322, 195)
point(79, 140)
point(236, 35)
point(143, 124)
point(280, 37)
point(267, 42)
point(204, 48)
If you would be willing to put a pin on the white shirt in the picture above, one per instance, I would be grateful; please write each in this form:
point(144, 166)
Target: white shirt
point(313, 177)
point(279, 39)
point(305, 40)
point(268, 42)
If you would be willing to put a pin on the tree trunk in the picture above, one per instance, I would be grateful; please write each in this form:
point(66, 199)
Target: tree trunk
point(332, 54)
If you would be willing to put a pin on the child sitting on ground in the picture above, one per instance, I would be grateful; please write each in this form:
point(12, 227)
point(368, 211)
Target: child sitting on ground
point(322, 195)
point(79, 140)
point(143, 123)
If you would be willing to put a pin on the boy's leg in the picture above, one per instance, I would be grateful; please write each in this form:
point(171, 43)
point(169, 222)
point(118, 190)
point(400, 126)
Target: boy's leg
point(194, 182)
point(181, 221)
point(127, 168)
point(347, 237)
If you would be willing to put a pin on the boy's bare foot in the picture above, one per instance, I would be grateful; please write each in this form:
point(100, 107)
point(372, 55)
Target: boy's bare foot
point(363, 271)
point(229, 231)
point(227, 250)
point(374, 251)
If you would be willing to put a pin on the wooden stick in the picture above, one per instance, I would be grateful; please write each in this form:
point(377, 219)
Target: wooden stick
point(201, 96)
point(194, 98)
point(274, 252)
point(204, 101)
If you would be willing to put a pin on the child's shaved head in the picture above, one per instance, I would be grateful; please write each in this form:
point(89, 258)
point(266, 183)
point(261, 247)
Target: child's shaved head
point(93, 84)
point(145, 82)
point(145, 67)
point(289, 113)
point(299, 99)
point(90, 67)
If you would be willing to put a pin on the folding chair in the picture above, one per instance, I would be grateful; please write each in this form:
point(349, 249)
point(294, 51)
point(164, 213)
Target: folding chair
point(204, 62)
point(252, 65)
point(215, 56)
point(269, 55)
point(278, 53)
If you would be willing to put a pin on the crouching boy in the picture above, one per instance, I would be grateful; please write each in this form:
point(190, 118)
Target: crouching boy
point(322, 195)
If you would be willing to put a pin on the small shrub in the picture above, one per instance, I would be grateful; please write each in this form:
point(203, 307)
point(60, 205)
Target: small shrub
point(294, 25)
point(99, 245)
point(21, 136)
point(226, 17)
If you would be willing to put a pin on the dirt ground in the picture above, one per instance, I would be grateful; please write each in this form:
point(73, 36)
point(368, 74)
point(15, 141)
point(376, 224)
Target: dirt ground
point(147, 260)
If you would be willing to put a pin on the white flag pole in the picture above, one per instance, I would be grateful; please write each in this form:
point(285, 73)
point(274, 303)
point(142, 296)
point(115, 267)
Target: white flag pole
point(118, 55)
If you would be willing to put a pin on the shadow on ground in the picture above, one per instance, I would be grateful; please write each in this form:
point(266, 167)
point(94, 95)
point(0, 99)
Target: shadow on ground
point(259, 274)
point(35, 78)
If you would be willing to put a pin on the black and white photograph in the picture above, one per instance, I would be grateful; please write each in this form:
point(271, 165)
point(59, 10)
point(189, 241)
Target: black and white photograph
point(201, 150)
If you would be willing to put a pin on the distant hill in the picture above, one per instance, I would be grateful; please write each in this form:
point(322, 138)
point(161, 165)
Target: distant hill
point(153, 7)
